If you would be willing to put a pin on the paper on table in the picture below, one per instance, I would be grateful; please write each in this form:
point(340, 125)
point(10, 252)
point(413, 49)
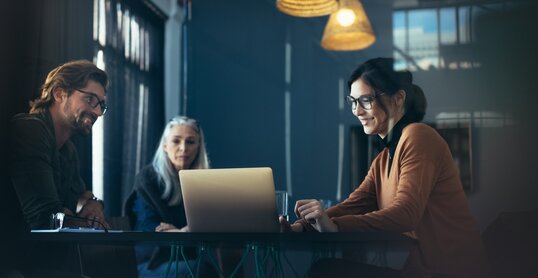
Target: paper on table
point(76, 230)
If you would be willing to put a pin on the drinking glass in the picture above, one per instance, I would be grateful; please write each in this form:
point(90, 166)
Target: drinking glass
point(282, 203)
point(327, 203)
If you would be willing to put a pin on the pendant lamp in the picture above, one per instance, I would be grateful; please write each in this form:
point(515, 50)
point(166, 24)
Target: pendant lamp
point(307, 8)
point(348, 28)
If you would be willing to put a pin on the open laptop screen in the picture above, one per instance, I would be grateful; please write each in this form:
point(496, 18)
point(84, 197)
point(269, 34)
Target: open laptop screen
point(229, 200)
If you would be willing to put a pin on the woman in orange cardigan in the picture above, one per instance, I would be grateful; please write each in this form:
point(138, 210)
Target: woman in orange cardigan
point(412, 187)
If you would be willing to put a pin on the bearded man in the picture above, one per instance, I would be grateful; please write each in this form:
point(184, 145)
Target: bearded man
point(44, 166)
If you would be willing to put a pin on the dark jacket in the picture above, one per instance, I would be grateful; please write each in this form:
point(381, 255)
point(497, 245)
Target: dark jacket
point(45, 179)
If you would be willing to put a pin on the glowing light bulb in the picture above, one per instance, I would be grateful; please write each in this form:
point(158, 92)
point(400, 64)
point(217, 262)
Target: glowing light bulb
point(345, 17)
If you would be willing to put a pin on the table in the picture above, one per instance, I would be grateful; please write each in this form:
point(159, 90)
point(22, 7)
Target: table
point(264, 247)
point(294, 240)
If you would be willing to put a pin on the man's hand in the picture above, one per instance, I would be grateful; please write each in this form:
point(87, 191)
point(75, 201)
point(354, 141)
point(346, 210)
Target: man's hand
point(72, 222)
point(93, 211)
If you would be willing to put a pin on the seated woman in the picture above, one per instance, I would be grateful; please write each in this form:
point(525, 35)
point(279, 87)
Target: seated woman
point(155, 203)
point(412, 187)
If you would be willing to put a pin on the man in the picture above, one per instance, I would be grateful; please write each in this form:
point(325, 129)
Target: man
point(44, 166)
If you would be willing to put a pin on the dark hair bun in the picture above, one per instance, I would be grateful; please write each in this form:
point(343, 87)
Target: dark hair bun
point(406, 77)
point(415, 103)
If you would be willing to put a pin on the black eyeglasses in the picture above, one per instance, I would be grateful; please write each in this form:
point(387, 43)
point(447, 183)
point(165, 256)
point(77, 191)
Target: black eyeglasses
point(364, 101)
point(93, 101)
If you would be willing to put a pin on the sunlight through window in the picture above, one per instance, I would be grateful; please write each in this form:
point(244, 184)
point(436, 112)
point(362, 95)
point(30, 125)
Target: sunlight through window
point(436, 38)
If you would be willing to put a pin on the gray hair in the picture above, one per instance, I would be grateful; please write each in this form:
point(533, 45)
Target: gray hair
point(166, 173)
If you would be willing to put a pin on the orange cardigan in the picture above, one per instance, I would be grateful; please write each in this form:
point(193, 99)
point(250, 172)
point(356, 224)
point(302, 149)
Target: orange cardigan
point(423, 198)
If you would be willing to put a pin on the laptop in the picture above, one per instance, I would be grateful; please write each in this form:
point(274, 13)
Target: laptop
point(229, 200)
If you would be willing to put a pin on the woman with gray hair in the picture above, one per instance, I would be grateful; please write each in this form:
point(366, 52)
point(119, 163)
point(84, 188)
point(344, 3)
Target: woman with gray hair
point(156, 203)
point(182, 146)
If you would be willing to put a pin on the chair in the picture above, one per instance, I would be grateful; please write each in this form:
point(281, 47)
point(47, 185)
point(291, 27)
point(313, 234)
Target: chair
point(511, 243)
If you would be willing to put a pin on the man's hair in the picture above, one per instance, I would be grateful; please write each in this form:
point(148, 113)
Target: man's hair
point(69, 76)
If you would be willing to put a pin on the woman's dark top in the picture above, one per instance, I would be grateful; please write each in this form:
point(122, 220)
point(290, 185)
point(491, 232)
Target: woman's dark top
point(146, 210)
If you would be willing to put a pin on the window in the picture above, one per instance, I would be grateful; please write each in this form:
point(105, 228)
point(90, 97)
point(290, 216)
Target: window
point(128, 43)
point(437, 38)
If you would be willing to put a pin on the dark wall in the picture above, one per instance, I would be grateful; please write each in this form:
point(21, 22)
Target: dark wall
point(237, 89)
point(36, 37)
point(237, 84)
point(6, 85)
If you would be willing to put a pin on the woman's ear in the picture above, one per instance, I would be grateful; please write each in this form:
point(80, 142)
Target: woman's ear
point(399, 98)
point(165, 147)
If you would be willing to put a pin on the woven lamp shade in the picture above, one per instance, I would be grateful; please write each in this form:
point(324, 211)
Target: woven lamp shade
point(307, 8)
point(348, 28)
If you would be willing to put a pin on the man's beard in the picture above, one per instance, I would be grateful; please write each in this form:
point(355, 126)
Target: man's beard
point(76, 121)
point(78, 126)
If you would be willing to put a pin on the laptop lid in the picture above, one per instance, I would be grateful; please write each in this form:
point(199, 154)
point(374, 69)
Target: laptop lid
point(229, 200)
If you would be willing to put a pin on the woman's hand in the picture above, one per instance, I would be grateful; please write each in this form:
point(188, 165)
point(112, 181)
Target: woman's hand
point(286, 227)
point(169, 228)
point(314, 213)
point(166, 227)
point(183, 230)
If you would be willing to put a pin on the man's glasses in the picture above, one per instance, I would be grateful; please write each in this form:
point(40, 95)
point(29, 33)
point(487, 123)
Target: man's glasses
point(364, 101)
point(93, 101)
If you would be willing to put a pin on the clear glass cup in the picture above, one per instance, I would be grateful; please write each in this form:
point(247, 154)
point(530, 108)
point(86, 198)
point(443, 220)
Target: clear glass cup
point(327, 203)
point(282, 203)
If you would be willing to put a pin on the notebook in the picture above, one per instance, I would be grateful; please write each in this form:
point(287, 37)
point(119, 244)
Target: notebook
point(229, 200)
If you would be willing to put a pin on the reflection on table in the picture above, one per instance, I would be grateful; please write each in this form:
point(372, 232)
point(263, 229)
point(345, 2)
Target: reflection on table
point(263, 254)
